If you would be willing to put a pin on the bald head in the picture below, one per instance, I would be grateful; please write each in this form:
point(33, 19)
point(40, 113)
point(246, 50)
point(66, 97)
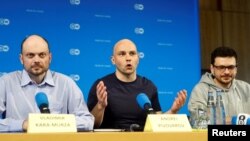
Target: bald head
point(35, 57)
point(34, 41)
point(126, 59)
point(124, 43)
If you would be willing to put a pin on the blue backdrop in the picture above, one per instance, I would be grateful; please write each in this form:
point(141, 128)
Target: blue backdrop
point(82, 33)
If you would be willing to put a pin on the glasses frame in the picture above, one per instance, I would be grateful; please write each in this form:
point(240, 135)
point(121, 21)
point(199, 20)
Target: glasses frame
point(223, 68)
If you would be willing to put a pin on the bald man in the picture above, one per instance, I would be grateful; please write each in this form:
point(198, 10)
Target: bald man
point(19, 88)
point(112, 98)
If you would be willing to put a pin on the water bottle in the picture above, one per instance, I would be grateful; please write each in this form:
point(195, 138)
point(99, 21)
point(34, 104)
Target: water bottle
point(220, 117)
point(210, 108)
point(200, 121)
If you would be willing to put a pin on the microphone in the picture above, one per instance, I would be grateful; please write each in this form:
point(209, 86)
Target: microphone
point(241, 119)
point(135, 127)
point(144, 103)
point(42, 102)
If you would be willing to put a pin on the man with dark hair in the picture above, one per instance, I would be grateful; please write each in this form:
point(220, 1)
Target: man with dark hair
point(19, 88)
point(235, 93)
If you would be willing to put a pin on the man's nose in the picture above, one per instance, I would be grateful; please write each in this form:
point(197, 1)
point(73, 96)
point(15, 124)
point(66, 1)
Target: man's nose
point(36, 58)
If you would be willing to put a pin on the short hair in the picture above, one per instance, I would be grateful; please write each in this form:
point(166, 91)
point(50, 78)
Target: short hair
point(32, 35)
point(223, 52)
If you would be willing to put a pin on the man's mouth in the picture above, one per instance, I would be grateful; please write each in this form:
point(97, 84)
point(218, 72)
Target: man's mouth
point(129, 66)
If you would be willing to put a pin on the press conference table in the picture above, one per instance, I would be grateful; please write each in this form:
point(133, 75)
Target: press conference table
point(107, 136)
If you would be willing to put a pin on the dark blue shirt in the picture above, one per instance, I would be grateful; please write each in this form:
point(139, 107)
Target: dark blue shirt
point(123, 109)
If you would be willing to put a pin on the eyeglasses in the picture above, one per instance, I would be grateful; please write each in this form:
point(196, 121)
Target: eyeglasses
point(223, 68)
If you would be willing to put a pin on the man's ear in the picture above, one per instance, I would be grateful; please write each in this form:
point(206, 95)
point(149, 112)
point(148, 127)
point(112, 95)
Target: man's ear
point(212, 69)
point(21, 58)
point(50, 57)
point(112, 60)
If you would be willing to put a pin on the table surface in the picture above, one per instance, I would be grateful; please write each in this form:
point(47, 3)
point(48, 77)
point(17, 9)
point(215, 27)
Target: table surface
point(107, 136)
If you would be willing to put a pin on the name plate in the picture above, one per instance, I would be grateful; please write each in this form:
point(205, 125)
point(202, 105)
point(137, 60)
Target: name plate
point(167, 123)
point(51, 123)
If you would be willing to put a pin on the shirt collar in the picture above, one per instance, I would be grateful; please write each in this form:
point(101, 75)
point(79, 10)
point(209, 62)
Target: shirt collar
point(25, 80)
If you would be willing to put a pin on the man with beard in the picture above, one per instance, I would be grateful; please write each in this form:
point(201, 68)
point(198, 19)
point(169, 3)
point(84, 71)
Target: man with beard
point(112, 98)
point(235, 93)
point(19, 88)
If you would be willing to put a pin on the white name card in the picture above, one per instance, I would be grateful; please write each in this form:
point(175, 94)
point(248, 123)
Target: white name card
point(167, 123)
point(51, 123)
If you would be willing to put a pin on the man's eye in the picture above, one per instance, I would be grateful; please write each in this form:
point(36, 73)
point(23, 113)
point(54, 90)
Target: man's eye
point(132, 53)
point(122, 54)
point(42, 55)
point(30, 55)
point(221, 67)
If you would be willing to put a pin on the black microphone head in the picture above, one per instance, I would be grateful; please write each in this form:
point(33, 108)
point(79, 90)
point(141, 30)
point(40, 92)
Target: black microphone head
point(144, 103)
point(42, 102)
point(135, 127)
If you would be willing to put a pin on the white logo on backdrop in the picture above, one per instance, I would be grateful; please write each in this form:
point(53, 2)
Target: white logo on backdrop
point(4, 21)
point(164, 20)
point(102, 16)
point(74, 51)
point(4, 48)
point(139, 30)
point(34, 10)
point(138, 6)
point(141, 55)
point(75, 77)
point(165, 68)
point(74, 26)
point(102, 41)
point(164, 44)
point(75, 2)
point(102, 66)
